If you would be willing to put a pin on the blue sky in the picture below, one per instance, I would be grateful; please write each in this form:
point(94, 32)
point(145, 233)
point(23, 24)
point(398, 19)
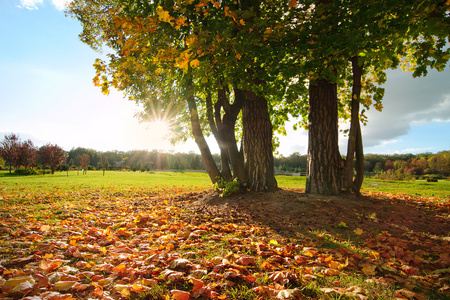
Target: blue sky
point(47, 95)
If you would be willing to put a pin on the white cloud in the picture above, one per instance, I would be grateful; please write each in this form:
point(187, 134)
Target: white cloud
point(408, 101)
point(33, 4)
point(30, 4)
point(60, 4)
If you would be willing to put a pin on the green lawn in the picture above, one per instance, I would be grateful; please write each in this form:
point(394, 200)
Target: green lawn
point(124, 179)
point(200, 180)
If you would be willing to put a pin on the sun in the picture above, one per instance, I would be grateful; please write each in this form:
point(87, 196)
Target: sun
point(159, 129)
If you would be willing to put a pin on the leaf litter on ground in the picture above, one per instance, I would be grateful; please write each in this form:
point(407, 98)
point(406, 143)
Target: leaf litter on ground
point(169, 243)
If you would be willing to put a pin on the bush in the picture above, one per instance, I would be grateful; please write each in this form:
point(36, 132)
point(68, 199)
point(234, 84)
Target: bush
point(227, 188)
point(399, 175)
point(28, 170)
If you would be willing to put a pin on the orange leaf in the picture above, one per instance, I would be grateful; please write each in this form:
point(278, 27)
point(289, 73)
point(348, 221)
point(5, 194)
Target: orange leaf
point(49, 265)
point(293, 3)
point(125, 293)
point(120, 269)
point(137, 288)
point(198, 284)
point(179, 295)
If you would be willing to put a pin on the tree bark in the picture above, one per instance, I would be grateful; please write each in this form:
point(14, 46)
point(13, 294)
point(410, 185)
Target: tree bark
point(257, 141)
point(359, 176)
point(354, 146)
point(347, 172)
point(217, 131)
point(323, 152)
point(208, 159)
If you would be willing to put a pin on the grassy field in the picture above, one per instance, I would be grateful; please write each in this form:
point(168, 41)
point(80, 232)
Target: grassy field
point(200, 180)
point(133, 235)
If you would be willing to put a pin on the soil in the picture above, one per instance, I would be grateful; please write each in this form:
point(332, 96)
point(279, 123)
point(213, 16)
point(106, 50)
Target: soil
point(292, 213)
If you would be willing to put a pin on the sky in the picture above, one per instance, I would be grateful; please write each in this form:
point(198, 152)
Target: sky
point(47, 95)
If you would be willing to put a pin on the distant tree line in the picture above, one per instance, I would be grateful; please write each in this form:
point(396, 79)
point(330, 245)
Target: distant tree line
point(25, 158)
point(135, 160)
point(393, 166)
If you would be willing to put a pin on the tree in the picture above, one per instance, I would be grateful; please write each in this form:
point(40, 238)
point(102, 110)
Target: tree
point(369, 37)
point(104, 163)
point(190, 45)
point(18, 153)
point(27, 154)
point(52, 156)
point(9, 150)
point(83, 161)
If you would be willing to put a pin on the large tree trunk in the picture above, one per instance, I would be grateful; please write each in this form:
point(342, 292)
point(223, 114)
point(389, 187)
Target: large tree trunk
point(210, 165)
point(323, 152)
point(258, 148)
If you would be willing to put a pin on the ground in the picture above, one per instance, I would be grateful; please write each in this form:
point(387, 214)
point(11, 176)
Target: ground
point(292, 212)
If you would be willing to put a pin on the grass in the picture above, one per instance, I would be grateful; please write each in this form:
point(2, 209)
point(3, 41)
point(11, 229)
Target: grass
point(95, 179)
point(200, 180)
point(420, 188)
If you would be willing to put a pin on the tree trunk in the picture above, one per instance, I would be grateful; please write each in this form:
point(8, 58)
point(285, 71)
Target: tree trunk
point(354, 144)
point(236, 156)
point(323, 152)
point(258, 149)
point(359, 177)
point(208, 159)
point(218, 134)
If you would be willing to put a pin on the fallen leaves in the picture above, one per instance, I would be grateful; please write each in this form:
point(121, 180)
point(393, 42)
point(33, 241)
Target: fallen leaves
point(100, 244)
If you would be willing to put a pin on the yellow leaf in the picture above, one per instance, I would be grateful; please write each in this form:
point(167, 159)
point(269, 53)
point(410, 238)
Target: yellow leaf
point(45, 228)
point(274, 243)
point(194, 63)
point(358, 231)
point(125, 293)
point(242, 22)
point(46, 256)
point(163, 15)
point(342, 225)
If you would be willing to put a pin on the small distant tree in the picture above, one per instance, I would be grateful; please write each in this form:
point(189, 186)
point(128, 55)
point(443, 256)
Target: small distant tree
point(27, 155)
point(52, 156)
point(83, 161)
point(2, 163)
point(9, 150)
point(103, 163)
